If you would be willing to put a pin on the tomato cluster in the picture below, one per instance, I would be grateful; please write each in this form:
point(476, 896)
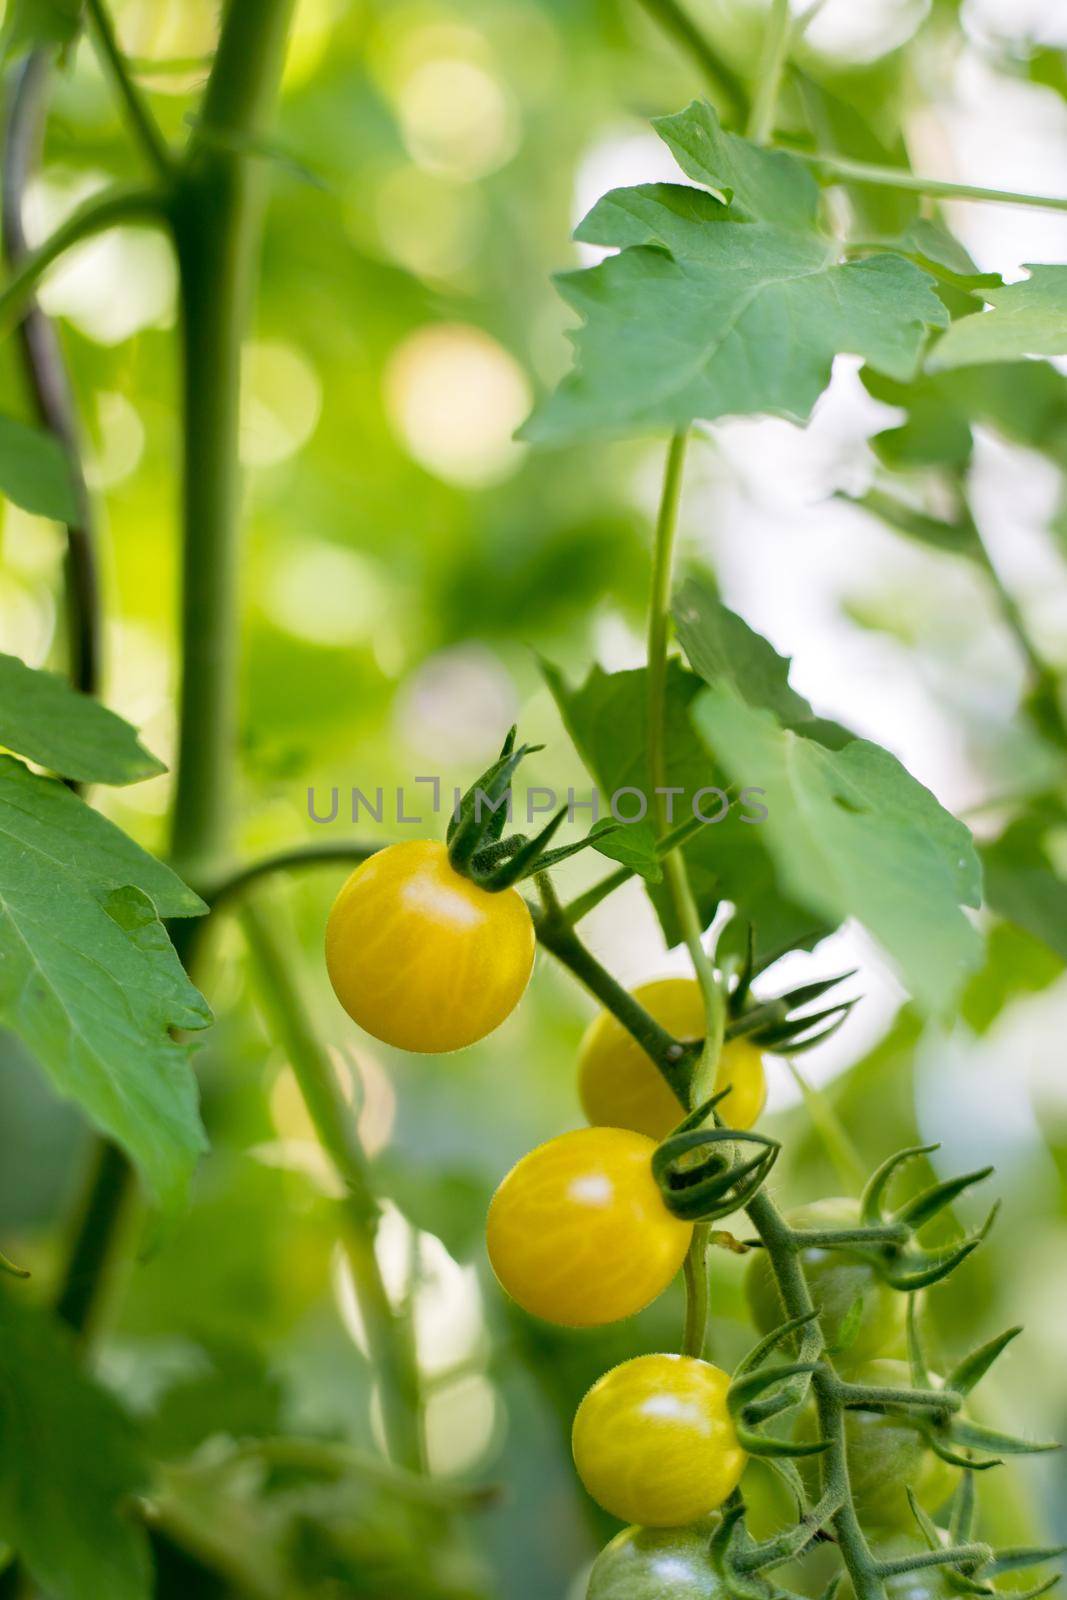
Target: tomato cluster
point(580, 1235)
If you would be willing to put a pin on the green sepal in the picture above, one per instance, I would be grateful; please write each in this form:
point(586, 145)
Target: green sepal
point(973, 1368)
point(927, 1205)
point(873, 1194)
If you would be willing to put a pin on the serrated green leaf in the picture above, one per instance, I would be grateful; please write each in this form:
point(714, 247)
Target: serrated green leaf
point(606, 718)
point(1026, 319)
point(35, 472)
point(69, 1463)
point(722, 648)
point(71, 734)
point(712, 310)
point(89, 979)
point(758, 184)
point(1025, 401)
point(854, 835)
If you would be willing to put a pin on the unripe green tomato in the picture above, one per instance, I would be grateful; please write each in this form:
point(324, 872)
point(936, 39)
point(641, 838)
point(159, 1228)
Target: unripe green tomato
point(837, 1279)
point(887, 1455)
point(657, 1564)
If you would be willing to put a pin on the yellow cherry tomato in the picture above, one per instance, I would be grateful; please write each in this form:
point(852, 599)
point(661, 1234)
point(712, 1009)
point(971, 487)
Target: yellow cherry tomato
point(578, 1232)
point(420, 956)
point(620, 1087)
point(654, 1442)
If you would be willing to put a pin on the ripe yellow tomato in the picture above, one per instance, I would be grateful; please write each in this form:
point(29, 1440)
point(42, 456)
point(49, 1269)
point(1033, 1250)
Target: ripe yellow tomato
point(620, 1087)
point(420, 956)
point(654, 1442)
point(578, 1232)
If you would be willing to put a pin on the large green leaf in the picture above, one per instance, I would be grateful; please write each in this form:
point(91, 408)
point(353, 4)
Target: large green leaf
point(35, 471)
point(722, 647)
point(713, 309)
point(88, 977)
point(852, 834)
point(71, 734)
point(69, 1465)
point(607, 720)
point(1026, 319)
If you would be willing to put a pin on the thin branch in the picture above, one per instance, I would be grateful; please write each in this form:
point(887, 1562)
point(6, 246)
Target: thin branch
point(109, 208)
point(344, 852)
point(47, 375)
point(840, 169)
point(140, 118)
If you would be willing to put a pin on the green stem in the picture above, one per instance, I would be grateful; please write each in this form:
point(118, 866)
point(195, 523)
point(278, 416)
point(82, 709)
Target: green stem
point(676, 21)
point(389, 1343)
point(217, 229)
point(839, 169)
point(776, 41)
point(671, 1056)
point(835, 1137)
point(694, 1335)
point(659, 609)
point(109, 208)
point(47, 376)
point(144, 126)
point(344, 852)
point(781, 1247)
point(695, 1331)
point(674, 872)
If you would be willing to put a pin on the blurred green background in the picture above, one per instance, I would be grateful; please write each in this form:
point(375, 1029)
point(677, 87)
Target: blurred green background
point(404, 564)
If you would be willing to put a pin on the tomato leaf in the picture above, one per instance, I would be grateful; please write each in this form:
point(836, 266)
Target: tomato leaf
point(852, 834)
point(71, 734)
point(722, 648)
point(69, 1462)
point(35, 472)
point(713, 309)
point(1026, 319)
point(89, 979)
point(607, 721)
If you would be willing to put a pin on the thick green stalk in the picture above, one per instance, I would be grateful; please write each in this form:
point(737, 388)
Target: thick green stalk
point(217, 215)
point(389, 1342)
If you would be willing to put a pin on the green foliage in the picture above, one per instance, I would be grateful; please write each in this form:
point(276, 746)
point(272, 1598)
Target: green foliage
point(1027, 319)
point(71, 734)
point(35, 471)
point(853, 834)
point(711, 308)
point(31, 23)
point(89, 978)
point(607, 719)
point(70, 1464)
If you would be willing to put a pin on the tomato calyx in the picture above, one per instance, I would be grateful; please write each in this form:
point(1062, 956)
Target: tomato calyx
point(780, 1022)
point(968, 1568)
point(477, 848)
point(701, 1171)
